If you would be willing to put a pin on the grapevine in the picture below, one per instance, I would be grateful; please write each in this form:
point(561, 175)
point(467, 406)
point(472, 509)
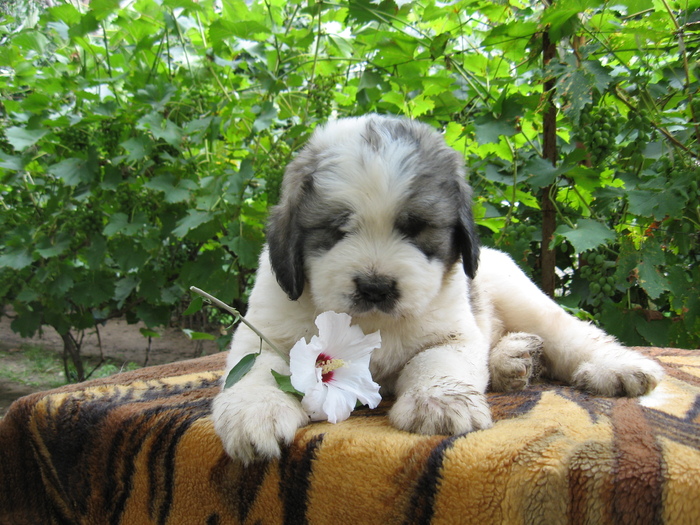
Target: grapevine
point(92, 98)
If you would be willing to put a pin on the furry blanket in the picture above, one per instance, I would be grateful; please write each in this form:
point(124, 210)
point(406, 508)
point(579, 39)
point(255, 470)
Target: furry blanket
point(139, 447)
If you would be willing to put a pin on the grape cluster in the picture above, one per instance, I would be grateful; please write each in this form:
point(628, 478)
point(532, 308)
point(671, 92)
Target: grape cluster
point(599, 128)
point(693, 191)
point(110, 134)
point(681, 228)
point(517, 240)
point(8, 282)
point(598, 271)
point(88, 220)
point(321, 96)
point(130, 198)
point(83, 223)
point(272, 169)
point(125, 198)
point(74, 138)
point(640, 122)
point(5, 146)
point(695, 108)
point(682, 176)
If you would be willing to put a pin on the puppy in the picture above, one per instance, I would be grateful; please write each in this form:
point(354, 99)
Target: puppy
point(375, 221)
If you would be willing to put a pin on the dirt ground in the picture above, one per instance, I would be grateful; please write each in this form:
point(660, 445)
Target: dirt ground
point(121, 342)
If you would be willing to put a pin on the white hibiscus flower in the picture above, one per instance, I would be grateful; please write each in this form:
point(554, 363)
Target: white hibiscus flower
point(332, 370)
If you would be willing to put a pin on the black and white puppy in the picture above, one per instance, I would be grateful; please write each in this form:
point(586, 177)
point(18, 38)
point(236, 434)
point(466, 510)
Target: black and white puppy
point(375, 221)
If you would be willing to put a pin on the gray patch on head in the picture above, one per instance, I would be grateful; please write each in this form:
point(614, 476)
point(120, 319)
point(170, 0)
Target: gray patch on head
point(433, 216)
point(382, 130)
point(285, 239)
point(302, 223)
point(324, 228)
point(287, 224)
point(437, 215)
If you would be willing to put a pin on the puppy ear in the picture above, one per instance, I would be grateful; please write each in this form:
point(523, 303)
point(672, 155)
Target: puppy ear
point(467, 238)
point(285, 236)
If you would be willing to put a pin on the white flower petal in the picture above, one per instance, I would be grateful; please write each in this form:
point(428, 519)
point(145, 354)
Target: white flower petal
point(302, 363)
point(313, 401)
point(334, 330)
point(338, 404)
point(360, 351)
point(342, 341)
point(358, 382)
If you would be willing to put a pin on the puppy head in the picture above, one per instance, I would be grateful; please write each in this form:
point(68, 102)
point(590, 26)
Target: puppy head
point(374, 212)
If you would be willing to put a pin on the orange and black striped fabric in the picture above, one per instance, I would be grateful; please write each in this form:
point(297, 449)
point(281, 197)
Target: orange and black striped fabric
point(139, 447)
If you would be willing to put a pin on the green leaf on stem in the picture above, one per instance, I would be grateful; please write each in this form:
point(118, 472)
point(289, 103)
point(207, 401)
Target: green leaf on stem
point(197, 336)
point(241, 369)
point(195, 306)
point(148, 333)
point(285, 384)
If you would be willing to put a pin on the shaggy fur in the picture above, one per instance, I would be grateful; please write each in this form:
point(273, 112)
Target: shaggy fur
point(375, 220)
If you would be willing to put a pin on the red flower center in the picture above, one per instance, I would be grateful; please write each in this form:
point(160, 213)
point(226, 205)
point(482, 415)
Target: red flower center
point(328, 365)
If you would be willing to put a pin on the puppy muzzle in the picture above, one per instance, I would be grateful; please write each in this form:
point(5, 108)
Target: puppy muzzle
point(375, 291)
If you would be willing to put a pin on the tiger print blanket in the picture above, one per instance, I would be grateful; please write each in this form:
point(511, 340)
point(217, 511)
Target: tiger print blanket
point(139, 447)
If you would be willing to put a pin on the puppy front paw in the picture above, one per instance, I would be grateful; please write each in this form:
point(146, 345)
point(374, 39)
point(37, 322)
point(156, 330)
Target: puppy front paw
point(629, 374)
point(449, 408)
point(514, 361)
point(254, 422)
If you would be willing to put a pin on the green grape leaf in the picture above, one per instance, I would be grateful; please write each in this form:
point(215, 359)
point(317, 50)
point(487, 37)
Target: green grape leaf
point(586, 235)
point(22, 138)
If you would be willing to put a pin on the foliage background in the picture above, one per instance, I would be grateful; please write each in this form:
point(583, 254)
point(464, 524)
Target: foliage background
point(142, 142)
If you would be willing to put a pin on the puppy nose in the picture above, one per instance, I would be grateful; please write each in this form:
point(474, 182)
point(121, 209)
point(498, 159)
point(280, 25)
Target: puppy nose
point(376, 288)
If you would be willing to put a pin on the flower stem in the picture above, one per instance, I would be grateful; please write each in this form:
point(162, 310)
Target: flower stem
point(235, 312)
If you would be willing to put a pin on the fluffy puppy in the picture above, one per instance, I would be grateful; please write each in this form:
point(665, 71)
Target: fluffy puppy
point(375, 221)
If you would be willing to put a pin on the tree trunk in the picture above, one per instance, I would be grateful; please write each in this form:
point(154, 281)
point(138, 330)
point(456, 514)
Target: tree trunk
point(549, 218)
point(72, 351)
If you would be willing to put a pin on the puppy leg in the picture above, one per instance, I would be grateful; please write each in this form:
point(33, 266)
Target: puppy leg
point(254, 417)
point(574, 351)
point(441, 391)
point(515, 361)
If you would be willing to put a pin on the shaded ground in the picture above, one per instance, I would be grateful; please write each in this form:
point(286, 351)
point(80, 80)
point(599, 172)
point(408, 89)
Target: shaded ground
point(33, 365)
point(9, 391)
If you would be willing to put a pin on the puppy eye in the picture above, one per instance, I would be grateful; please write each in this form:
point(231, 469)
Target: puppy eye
point(339, 226)
point(413, 226)
point(341, 223)
point(338, 234)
